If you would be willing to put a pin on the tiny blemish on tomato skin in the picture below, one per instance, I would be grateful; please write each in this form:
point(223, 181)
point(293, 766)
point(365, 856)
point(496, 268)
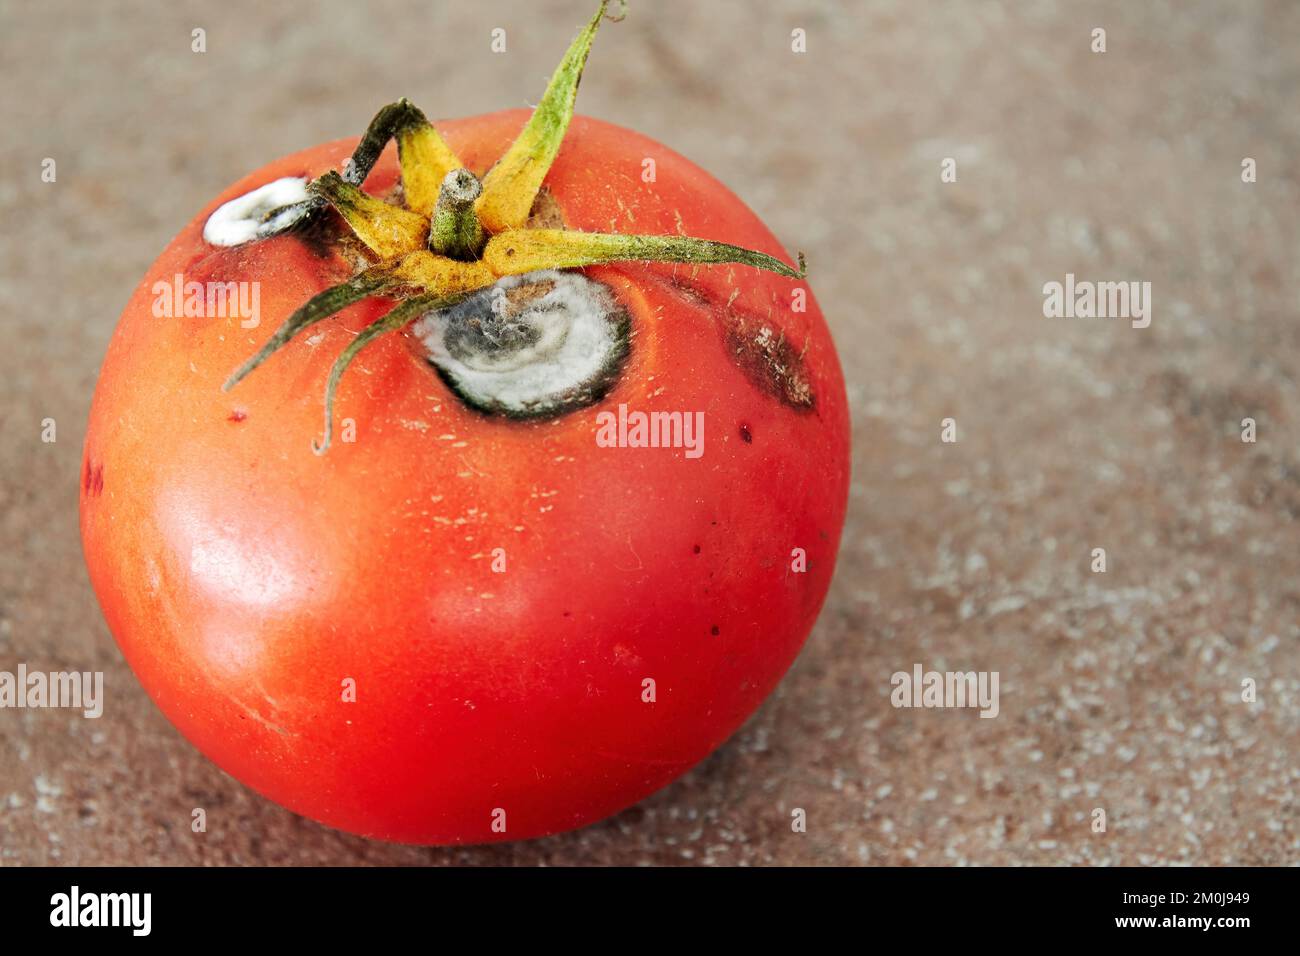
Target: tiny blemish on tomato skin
point(696, 549)
point(92, 479)
point(714, 630)
point(746, 435)
point(238, 415)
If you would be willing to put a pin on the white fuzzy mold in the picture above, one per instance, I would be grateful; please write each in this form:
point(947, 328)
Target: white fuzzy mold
point(243, 219)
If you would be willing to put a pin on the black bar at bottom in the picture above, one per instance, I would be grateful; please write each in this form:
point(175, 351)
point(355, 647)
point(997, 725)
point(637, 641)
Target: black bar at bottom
point(299, 906)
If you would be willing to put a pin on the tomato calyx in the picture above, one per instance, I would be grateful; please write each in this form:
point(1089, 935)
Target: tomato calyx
point(455, 236)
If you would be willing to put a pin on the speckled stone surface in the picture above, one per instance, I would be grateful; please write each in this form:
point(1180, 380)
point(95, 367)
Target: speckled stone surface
point(1120, 690)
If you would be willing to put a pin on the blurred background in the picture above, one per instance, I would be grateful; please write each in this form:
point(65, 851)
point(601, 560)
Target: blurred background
point(1120, 690)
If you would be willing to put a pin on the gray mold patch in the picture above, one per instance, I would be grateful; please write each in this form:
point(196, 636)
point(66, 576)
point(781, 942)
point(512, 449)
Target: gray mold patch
point(530, 346)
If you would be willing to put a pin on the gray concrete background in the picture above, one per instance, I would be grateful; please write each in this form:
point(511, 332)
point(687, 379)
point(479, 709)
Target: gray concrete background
point(1119, 690)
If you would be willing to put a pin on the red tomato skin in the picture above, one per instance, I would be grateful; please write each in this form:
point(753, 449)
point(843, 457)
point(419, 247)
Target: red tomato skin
point(246, 579)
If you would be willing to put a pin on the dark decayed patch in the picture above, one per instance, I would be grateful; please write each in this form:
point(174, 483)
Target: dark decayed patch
point(694, 295)
point(758, 346)
point(769, 359)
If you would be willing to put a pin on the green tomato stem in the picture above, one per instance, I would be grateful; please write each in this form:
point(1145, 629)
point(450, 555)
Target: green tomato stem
point(403, 314)
point(456, 231)
point(318, 307)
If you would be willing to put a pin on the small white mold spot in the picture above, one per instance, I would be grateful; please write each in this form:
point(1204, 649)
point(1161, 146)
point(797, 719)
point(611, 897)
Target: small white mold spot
point(243, 219)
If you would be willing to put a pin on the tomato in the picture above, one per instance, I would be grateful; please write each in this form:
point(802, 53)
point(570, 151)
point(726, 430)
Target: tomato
point(468, 621)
